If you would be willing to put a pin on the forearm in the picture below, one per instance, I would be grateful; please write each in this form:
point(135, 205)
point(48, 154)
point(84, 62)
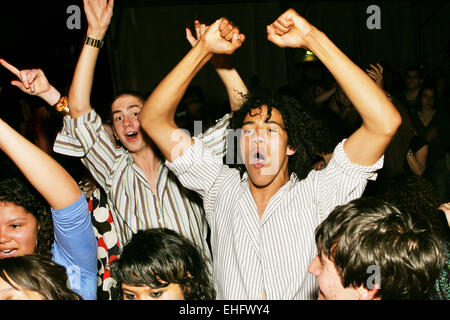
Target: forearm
point(80, 89)
point(321, 98)
point(51, 96)
point(161, 106)
point(235, 86)
point(417, 161)
point(43, 172)
point(377, 112)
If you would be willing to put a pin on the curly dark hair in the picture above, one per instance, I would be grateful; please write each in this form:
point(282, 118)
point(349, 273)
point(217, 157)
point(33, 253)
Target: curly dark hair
point(38, 273)
point(161, 254)
point(20, 193)
point(416, 195)
point(306, 132)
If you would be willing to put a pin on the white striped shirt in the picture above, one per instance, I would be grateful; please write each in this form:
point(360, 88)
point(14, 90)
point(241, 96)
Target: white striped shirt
point(132, 203)
point(253, 256)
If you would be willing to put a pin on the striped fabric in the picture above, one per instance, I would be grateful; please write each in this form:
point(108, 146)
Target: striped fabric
point(253, 256)
point(130, 198)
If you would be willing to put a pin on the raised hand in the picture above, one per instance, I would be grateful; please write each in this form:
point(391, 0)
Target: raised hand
point(200, 29)
point(222, 37)
point(289, 30)
point(376, 73)
point(98, 15)
point(31, 81)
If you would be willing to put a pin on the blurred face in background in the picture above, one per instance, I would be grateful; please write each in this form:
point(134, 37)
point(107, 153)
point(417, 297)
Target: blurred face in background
point(427, 99)
point(413, 80)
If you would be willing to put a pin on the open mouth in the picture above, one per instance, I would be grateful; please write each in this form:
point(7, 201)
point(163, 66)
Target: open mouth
point(258, 159)
point(7, 253)
point(131, 136)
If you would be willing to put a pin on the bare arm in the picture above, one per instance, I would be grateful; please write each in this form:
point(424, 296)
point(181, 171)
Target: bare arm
point(157, 115)
point(380, 118)
point(98, 14)
point(235, 86)
point(418, 161)
point(49, 178)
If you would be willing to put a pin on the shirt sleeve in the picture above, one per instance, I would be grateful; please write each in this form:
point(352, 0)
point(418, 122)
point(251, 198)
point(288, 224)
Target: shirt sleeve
point(75, 247)
point(215, 138)
point(342, 181)
point(85, 137)
point(199, 170)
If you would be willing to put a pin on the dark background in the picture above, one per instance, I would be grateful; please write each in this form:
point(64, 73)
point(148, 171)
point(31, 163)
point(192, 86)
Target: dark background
point(146, 39)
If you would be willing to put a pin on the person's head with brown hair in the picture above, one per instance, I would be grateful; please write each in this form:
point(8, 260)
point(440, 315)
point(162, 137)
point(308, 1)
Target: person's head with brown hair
point(368, 249)
point(34, 277)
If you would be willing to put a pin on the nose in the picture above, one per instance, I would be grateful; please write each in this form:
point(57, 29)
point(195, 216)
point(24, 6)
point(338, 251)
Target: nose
point(259, 136)
point(4, 237)
point(314, 266)
point(126, 121)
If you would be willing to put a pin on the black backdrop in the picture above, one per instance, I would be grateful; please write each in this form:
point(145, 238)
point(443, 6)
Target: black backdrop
point(146, 39)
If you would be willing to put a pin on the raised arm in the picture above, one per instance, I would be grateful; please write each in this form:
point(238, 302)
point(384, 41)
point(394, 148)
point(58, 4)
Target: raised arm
point(380, 118)
point(98, 14)
point(235, 86)
point(49, 178)
point(33, 82)
point(157, 115)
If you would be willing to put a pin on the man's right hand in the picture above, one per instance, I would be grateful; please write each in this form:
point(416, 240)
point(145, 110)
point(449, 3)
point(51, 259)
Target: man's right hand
point(222, 37)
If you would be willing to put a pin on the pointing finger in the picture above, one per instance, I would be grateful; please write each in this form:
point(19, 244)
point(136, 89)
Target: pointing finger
point(10, 67)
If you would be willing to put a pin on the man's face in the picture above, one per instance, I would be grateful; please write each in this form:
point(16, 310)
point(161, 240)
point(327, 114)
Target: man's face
point(18, 231)
point(127, 128)
point(264, 146)
point(413, 80)
point(330, 284)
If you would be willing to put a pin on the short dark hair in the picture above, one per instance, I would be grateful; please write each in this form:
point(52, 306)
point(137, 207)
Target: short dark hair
point(19, 192)
point(161, 254)
point(416, 68)
point(370, 232)
point(132, 93)
point(37, 273)
point(301, 124)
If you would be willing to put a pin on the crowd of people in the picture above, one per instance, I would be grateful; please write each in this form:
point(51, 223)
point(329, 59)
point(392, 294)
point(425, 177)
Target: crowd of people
point(336, 191)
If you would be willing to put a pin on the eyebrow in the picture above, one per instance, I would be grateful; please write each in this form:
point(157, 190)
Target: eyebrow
point(266, 121)
point(17, 219)
point(128, 108)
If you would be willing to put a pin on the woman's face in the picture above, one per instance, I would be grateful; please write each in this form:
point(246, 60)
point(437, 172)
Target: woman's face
point(427, 99)
point(9, 292)
point(172, 292)
point(18, 231)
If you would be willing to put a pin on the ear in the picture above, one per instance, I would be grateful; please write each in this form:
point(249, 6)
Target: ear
point(290, 151)
point(114, 132)
point(368, 294)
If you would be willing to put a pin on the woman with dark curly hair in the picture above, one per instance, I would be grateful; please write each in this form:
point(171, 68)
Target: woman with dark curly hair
point(162, 264)
point(34, 277)
point(26, 225)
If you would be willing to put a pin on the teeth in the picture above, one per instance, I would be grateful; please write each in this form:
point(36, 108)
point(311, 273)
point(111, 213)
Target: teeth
point(7, 253)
